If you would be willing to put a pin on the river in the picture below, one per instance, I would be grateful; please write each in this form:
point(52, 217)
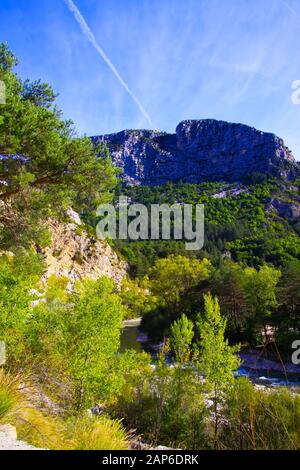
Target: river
point(258, 370)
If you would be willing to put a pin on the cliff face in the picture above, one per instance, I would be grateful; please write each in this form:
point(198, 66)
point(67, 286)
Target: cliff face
point(74, 254)
point(200, 150)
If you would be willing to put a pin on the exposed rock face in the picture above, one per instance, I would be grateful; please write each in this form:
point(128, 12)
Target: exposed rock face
point(74, 254)
point(287, 210)
point(9, 439)
point(204, 150)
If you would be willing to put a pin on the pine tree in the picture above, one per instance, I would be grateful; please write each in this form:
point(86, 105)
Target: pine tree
point(44, 166)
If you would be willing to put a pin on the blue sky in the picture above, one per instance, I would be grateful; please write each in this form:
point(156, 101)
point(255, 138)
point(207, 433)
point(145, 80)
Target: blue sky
point(183, 59)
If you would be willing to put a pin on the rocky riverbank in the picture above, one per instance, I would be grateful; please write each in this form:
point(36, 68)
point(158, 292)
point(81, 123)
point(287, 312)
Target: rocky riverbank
point(255, 360)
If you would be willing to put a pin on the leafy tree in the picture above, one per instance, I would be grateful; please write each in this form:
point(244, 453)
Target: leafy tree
point(166, 405)
point(227, 284)
point(19, 279)
point(94, 336)
point(260, 291)
point(182, 333)
point(136, 297)
point(287, 316)
point(171, 277)
point(289, 295)
point(217, 360)
point(76, 337)
point(170, 282)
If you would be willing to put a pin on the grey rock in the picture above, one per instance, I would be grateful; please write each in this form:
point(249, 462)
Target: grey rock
point(200, 150)
point(9, 440)
point(287, 210)
point(74, 216)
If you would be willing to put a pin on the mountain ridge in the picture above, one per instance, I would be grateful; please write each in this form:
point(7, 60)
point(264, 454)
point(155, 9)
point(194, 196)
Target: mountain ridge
point(199, 150)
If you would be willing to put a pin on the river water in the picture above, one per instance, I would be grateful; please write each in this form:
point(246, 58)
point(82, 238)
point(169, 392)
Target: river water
point(133, 338)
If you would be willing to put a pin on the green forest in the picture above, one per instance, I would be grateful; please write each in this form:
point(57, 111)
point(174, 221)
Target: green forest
point(63, 359)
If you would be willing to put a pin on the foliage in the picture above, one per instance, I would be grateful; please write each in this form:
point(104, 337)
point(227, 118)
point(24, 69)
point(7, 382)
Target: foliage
point(42, 429)
point(136, 297)
point(80, 335)
point(171, 277)
point(19, 277)
point(10, 399)
point(256, 419)
point(227, 283)
point(217, 360)
point(287, 316)
point(166, 406)
point(170, 281)
point(260, 292)
point(182, 333)
point(238, 220)
point(96, 433)
point(44, 167)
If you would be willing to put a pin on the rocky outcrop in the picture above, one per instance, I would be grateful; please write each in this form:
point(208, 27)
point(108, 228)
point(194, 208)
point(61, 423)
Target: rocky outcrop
point(200, 150)
point(288, 210)
point(9, 439)
point(74, 254)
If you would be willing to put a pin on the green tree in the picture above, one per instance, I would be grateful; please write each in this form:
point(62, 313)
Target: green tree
point(170, 283)
point(227, 284)
point(287, 316)
point(260, 291)
point(74, 338)
point(182, 333)
point(19, 278)
point(44, 167)
point(217, 360)
point(136, 297)
point(289, 295)
point(94, 337)
point(166, 405)
point(171, 277)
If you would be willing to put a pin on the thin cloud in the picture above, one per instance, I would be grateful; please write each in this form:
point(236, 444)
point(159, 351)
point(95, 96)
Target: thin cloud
point(288, 6)
point(90, 36)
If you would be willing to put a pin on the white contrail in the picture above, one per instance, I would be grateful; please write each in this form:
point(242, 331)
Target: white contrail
point(288, 6)
point(88, 33)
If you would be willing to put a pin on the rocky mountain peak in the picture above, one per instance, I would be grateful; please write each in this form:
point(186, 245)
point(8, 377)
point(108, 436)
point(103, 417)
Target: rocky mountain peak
point(200, 150)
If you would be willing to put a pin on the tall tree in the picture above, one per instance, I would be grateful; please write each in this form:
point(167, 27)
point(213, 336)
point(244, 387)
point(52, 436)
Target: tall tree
point(217, 360)
point(227, 284)
point(260, 290)
point(44, 166)
point(289, 295)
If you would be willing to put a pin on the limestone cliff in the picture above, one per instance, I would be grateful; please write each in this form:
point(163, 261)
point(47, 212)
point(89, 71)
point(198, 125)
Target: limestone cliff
point(200, 150)
point(75, 254)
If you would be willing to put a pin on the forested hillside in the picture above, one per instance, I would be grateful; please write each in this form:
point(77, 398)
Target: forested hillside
point(64, 383)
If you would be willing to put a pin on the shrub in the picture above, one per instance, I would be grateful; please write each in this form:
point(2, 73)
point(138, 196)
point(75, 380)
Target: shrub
point(96, 433)
point(261, 419)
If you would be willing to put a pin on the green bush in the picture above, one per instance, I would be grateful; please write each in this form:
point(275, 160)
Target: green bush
point(261, 419)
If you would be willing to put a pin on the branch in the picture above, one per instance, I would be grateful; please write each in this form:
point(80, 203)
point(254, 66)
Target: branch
point(50, 179)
